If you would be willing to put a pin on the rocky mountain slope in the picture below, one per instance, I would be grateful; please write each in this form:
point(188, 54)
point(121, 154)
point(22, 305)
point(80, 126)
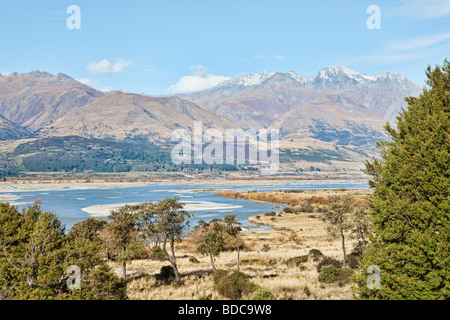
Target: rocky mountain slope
point(382, 93)
point(11, 131)
point(36, 99)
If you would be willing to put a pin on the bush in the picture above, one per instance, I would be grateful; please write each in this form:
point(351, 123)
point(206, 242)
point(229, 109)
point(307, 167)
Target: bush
point(261, 294)
point(353, 259)
point(327, 261)
point(344, 276)
point(288, 210)
point(305, 208)
point(233, 286)
point(296, 261)
point(331, 274)
point(328, 274)
point(157, 254)
point(166, 273)
point(270, 214)
point(316, 254)
point(193, 260)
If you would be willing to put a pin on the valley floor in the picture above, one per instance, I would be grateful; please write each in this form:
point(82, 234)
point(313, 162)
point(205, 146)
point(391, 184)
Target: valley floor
point(292, 235)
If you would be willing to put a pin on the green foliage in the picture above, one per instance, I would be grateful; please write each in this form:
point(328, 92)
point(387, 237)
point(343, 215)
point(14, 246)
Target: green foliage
point(328, 274)
point(157, 254)
point(35, 253)
point(122, 235)
point(164, 222)
point(166, 273)
point(328, 261)
point(78, 154)
point(261, 294)
point(193, 260)
point(233, 286)
point(332, 274)
point(296, 261)
point(411, 202)
point(315, 254)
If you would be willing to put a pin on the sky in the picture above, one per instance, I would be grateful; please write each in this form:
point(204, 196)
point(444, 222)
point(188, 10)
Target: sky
point(164, 47)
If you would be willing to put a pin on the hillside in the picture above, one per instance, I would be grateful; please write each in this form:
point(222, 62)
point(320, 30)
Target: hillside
point(12, 131)
point(120, 116)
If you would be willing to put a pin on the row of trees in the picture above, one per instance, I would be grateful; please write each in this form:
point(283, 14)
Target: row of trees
point(36, 252)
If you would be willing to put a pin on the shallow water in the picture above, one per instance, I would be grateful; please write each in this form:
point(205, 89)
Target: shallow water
point(73, 205)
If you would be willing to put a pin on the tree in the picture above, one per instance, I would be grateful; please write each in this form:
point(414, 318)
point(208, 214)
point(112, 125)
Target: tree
point(123, 236)
point(337, 217)
point(211, 240)
point(35, 254)
point(411, 202)
point(166, 221)
point(233, 228)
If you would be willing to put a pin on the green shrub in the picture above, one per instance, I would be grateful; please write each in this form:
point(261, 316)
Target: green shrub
point(157, 254)
point(315, 254)
point(353, 259)
point(166, 273)
point(270, 214)
point(344, 276)
point(327, 261)
point(233, 286)
point(296, 261)
point(328, 274)
point(193, 260)
point(331, 274)
point(261, 294)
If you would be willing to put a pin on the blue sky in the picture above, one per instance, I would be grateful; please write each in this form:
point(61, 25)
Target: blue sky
point(159, 47)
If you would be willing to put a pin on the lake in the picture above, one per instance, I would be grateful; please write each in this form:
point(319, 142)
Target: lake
point(75, 203)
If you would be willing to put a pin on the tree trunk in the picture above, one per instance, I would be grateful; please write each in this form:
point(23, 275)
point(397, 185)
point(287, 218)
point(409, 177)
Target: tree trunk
point(172, 259)
point(124, 270)
point(212, 262)
point(237, 243)
point(343, 248)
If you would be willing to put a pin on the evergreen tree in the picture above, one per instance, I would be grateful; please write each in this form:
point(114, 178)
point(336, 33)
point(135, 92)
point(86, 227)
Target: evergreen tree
point(35, 255)
point(121, 236)
point(411, 202)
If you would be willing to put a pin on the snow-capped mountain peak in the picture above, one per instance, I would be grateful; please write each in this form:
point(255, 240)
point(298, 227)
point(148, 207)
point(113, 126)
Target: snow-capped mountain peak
point(246, 80)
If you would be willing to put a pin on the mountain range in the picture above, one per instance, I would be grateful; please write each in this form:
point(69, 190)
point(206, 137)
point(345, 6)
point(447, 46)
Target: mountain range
point(331, 120)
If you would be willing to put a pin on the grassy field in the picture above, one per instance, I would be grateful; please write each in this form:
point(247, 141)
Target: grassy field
point(292, 235)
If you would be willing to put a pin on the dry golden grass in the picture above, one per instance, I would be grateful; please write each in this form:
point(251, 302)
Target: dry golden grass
point(292, 234)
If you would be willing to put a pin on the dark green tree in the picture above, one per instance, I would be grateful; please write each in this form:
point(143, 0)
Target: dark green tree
point(35, 256)
point(411, 203)
point(122, 236)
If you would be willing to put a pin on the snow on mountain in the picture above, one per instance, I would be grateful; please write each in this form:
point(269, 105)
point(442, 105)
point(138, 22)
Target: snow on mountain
point(382, 93)
point(246, 80)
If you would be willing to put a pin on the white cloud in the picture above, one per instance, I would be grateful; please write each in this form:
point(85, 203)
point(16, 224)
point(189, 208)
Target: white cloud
point(106, 67)
point(198, 80)
point(425, 9)
point(417, 43)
